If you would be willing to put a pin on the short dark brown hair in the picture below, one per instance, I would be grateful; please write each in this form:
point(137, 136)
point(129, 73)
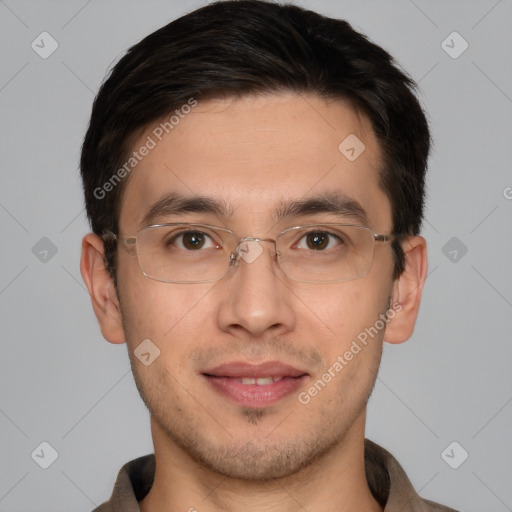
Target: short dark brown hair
point(240, 47)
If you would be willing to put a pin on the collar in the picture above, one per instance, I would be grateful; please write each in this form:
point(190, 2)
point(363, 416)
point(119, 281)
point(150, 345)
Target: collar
point(386, 478)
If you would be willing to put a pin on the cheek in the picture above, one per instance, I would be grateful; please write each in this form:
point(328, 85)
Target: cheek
point(345, 309)
point(159, 311)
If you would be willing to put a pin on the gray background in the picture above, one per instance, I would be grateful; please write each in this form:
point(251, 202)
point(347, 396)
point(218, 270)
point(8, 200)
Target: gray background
point(60, 382)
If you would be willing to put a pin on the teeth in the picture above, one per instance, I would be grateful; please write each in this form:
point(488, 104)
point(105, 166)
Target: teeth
point(260, 381)
point(264, 381)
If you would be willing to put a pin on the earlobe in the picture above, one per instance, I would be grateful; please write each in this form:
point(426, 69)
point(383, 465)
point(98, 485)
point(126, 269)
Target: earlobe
point(101, 288)
point(407, 291)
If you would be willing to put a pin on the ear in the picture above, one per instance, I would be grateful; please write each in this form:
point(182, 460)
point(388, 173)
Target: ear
point(407, 289)
point(101, 289)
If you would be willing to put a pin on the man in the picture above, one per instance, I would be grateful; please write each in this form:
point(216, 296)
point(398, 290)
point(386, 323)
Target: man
point(254, 178)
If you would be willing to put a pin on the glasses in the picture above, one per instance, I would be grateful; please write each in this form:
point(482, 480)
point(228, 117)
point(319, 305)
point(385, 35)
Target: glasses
point(200, 253)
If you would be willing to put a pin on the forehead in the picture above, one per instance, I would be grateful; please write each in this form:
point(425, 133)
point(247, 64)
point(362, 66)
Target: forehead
point(256, 152)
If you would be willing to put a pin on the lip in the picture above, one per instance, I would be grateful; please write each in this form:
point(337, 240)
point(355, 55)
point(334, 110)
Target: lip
point(226, 380)
point(242, 369)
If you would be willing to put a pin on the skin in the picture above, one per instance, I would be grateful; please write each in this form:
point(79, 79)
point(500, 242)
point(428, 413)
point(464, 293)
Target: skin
point(212, 454)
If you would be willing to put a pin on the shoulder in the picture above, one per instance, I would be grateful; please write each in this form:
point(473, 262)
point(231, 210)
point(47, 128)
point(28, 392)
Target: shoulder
point(391, 486)
point(436, 507)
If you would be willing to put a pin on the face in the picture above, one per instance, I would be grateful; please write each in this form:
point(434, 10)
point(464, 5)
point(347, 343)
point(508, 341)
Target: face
point(252, 156)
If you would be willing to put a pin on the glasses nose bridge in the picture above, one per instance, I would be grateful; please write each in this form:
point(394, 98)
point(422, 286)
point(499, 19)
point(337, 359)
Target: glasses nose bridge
point(256, 239)
point(241, 252)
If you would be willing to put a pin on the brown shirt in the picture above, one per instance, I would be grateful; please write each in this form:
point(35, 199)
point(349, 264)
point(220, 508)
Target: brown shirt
point(386, 478)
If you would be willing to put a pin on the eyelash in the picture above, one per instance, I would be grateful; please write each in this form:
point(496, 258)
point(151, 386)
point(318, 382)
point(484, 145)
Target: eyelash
point(178, 236)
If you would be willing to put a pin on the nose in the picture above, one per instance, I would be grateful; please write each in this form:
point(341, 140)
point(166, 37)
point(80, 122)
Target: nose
point(256, 297)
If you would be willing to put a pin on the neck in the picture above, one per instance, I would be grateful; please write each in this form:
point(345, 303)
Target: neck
point(336, 481)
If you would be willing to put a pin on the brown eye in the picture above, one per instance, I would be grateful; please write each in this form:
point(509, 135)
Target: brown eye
point(317, 240)
point(321, 241)
point(193, 239)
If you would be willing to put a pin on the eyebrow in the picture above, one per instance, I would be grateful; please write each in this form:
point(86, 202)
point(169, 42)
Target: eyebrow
point(333, 202)
point(174, 203)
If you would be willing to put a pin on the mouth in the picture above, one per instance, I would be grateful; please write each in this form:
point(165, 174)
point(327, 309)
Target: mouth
point(258, 381)
point(255, 386)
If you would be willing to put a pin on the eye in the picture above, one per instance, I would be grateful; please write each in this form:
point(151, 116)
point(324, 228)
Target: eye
point(319, 241)
point(192, 240)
